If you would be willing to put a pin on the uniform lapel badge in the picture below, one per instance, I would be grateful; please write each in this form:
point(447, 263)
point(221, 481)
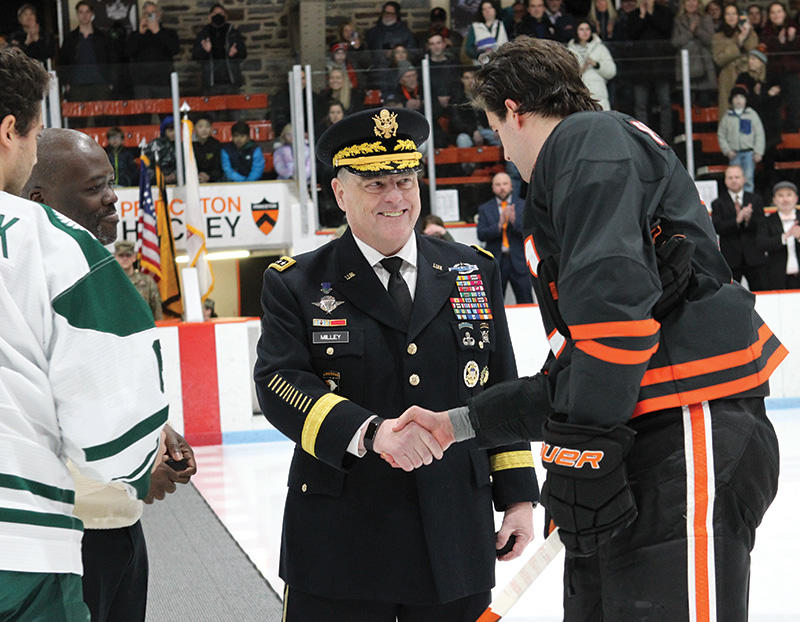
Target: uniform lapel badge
point(436, 266)
point(485, 376)
point(484, 335)
point(328, 303)
point(463, 268)
point(468, 340)
point(332, 378)
point(349, 276)
point(471, 374)
point(324, 322)
point(465, 325)
point(326, 287)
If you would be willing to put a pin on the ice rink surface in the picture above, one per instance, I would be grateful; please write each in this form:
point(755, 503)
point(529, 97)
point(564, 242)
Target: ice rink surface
point(246, 484)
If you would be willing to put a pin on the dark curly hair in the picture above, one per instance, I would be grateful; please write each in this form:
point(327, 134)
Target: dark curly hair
point(542, 76)
point(25, 82)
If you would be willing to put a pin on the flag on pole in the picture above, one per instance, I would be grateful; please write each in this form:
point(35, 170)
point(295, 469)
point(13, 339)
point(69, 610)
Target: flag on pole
point(193, 215)
point(147, 248)
point(169, 286)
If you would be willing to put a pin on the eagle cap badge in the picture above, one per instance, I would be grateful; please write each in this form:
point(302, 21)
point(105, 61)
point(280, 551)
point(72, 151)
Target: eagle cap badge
point(385, 123)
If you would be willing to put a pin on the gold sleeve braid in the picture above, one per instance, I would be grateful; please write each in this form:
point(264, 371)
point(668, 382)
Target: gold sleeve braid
point(511, 460)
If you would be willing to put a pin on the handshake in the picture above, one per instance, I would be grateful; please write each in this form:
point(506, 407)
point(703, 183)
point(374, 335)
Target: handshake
point(414, 439)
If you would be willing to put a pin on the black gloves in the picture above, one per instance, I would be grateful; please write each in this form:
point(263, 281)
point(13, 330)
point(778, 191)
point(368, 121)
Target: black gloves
point(586, 492)
point(674, 258)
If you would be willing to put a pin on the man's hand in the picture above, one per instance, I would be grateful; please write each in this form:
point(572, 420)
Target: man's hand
point(408, 447)
point(232, 52)
point(437, 424)
point(206, 45)
point(178, 449)
point(202, 177)
point(163, 477)
point(517, 521)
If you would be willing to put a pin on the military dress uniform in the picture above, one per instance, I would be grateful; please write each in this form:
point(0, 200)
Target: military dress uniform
point(333, 352)
point(689, 379)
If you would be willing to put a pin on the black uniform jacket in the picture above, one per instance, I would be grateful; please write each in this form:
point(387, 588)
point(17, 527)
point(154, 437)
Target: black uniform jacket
point(773, 244)
point(599, 183)
point(739, 243)
point(332, 353)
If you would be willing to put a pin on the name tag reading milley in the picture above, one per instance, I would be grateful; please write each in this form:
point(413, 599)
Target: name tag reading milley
point(332, 336)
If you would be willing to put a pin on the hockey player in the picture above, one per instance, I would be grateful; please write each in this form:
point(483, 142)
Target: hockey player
point(661, 460)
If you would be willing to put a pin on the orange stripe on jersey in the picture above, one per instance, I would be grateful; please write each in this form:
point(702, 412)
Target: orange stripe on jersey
point(531, 255)
point(711, 364)
point(617, 356)
point(629, 328)
point(715, 391)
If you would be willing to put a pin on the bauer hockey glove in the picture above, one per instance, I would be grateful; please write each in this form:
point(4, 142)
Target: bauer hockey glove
point(586, 492)
point(674, 258)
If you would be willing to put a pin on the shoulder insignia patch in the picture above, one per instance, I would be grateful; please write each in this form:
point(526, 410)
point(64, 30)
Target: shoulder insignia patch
point(483, 251)
point(284, 263)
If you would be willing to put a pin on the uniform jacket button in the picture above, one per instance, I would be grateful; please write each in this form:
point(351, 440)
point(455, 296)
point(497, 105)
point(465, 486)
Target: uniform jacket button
point(329, 351)
point(412, 348)
point(413, 380)
point(304, 487)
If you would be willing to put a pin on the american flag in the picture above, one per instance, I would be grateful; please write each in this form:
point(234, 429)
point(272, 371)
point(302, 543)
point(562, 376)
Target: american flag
point(147, 245)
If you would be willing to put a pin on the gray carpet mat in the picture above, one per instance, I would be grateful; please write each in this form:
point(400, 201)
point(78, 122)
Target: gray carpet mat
point(198, 572)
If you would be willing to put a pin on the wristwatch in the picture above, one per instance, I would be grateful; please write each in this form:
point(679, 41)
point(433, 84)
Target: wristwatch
point(372, 431)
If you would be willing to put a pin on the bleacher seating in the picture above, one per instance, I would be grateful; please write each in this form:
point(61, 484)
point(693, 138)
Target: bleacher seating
point(260, 131)
point(124, 107)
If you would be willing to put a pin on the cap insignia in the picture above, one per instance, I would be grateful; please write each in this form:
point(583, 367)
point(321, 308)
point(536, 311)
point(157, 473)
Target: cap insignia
point(385, 123)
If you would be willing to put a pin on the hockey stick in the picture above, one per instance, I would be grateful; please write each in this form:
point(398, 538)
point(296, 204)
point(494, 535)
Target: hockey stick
point(524, 578)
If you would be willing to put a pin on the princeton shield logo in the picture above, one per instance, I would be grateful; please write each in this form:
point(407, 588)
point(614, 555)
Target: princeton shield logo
point(265, 215)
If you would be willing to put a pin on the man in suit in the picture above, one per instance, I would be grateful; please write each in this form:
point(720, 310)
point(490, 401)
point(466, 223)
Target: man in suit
point(780, 238)
point(500, 227)
point(354, 333)
point(738, 218)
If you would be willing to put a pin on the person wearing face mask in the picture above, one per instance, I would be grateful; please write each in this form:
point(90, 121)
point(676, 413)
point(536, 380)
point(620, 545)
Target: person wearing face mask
point(741, 135)
point(221, 48)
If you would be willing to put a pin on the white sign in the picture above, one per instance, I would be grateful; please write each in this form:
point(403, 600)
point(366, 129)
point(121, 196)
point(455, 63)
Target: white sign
point(446, 206)
point(708, 191)
point(251, 215)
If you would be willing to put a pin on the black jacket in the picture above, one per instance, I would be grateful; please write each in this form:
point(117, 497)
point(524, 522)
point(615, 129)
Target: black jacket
point(208, 158)
point(151, 56)
point(103, 51)
point(345, 516)
point(739, 244)
point(218, 66)
point(777, 250)
point(125, 171)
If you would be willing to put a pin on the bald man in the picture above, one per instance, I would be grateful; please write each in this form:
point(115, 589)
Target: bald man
point(74, 177)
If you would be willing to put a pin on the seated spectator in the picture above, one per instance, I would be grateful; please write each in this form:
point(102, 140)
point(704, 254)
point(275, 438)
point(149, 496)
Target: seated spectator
point(714, 11)
point(162, 150)
point(221, 49)
point(729, 48)
point(780, 239)
point(563, 23)
point(693, 31)
point(756, 16)
point(339, 88)
point(741, 135)
point(87, 56)
point(433, 226)
point(388, 32)
point(209, 312)
point(339, 60)
point(280, 107)
point(783, 45)
point(207, 151)
point(121, 158)
point(468, 125)
point(283, 156)
point(334, 114)
point(438, 25)
point(31, 39)
point(408, 92)
point(242, 159)
point(536, 23)
point(150, 52)
point(764, 96)
point(738, 218)
point(595, 62)
point(603, 18)
point(485, 33)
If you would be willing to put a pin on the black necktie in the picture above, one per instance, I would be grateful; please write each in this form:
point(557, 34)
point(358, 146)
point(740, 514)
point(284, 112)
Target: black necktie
point(398, 288)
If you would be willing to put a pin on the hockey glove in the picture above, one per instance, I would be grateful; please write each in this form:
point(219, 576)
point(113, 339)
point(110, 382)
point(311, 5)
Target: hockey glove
point(674, 258)
point(586, 492)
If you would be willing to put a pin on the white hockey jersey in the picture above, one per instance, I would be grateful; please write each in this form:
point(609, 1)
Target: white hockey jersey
point(80, 378)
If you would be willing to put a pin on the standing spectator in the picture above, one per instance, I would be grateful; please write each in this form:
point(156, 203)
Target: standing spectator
point(121, 158)
point(221, 49)
point(438, 25)
point(693, 31)
point(388, 32)
point(125, 255)
point(563, 23)
point(443, 70)
point(714, 11)
point(242, 159)
point(729, 47)
point(595, 62)
point(741, 135)
point(603, 18)
point(207, 151)
point(651, 27)
point(334, 114)
point(738, 218)
point(500, 229)
point(755, 13)
point(764, 96)
point(486, 33)
point(340, 89)
point(88, 57)
point(536, 23)
point(162, 150)
point(280, 109)
point(339, 60)
point(782, 237)
point(513, 17)
point(357, 53)
point(283, 156)
point(150, 52)
point(31, 39)
point(783, 45)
